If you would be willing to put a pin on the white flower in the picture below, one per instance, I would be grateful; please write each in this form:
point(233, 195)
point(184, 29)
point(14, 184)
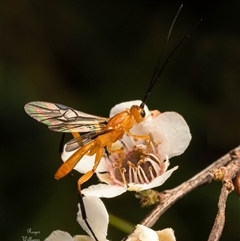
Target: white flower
point(97, 218)
point(143, 233)
point(59, 235)
point(143, 163)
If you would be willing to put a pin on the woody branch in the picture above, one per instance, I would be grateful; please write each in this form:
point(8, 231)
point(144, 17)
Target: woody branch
point(169, 197)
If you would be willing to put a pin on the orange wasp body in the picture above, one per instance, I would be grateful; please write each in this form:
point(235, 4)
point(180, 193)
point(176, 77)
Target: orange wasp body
point(102, 132)
point(116, 127)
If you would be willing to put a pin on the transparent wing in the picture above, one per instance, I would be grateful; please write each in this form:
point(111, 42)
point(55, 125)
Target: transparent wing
point(76, 143)
point(62, 118)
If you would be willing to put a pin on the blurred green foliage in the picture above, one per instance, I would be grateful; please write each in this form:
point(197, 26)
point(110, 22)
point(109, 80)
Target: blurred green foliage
point(91, 55)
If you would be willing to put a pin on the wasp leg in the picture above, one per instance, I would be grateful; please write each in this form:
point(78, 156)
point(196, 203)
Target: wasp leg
point(118, 151)
point(137, 137)
point(99, 153)
point(119, 161)
point(122, 169)
point(76, 135)
point(72, 161)
point(93, 150)
point(155, 143)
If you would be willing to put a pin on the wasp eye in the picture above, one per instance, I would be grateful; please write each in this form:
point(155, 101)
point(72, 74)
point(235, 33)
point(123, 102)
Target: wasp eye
point(142, 113)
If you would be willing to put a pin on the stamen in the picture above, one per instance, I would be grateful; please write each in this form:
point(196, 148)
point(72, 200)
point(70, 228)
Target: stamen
point(130, 174)
point(138, 166)
point(151, 173)
point(146, 180)
point(139, 172)
point(135, 176)
point(131, 169)
point(122, 171)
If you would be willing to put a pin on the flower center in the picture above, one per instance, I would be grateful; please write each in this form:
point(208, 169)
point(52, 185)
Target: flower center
point(138, 167)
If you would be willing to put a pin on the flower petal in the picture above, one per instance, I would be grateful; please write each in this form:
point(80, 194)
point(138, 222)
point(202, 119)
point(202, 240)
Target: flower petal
point(143, 233)
point(104, 190)
point(173, 131)
point(158, 181)
point(105, 177)
point(59, 235)
point(82, 238)
point(97, 217)
point(166, 234)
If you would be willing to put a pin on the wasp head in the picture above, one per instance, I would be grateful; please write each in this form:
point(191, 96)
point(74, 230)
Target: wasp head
point(138, 113)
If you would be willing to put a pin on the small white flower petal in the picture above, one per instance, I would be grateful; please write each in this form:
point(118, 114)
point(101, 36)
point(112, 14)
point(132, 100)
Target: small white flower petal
point(59, 235)
point(166, 234)
point(97, 217)
point(104, 190)
point(158, 181)
point(127, 105)
point(105, 177)
point(167, 163)
point(173, 131)
point(82, 238)
point(143, 233)
point(137, 187)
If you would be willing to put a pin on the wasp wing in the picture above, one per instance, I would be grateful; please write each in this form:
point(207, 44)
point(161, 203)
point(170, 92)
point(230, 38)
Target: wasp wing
point(82, 140)
point(62, 118)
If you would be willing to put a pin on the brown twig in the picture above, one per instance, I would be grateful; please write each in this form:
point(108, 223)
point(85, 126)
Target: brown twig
point(169, 197)
point(229, 173)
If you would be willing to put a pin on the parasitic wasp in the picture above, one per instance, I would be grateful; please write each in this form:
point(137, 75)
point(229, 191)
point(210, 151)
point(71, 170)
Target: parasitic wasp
point(99, 132)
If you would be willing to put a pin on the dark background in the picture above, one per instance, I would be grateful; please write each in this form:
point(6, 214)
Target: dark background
point(91, 55)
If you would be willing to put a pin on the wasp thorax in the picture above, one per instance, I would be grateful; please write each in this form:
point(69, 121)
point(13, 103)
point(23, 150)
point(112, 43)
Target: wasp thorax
point(138, 113)
point(138, 167)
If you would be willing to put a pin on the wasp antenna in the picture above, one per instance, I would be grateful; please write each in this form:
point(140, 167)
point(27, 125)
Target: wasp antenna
point(154, 76)
point(171, 54)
